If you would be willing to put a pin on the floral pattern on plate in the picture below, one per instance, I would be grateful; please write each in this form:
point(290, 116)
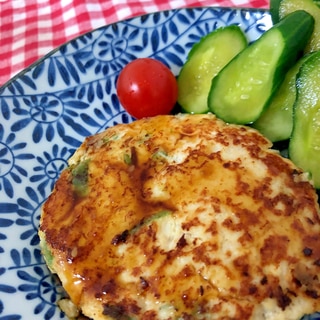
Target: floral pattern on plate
point(47, 111)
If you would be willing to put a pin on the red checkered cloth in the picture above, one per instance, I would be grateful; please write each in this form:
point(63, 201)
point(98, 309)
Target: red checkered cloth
point(30, 29)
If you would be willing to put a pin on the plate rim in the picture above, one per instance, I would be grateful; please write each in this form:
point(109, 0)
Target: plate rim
point(53, 51)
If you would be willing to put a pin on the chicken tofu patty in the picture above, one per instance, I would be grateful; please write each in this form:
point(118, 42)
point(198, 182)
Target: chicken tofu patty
point(184, 217)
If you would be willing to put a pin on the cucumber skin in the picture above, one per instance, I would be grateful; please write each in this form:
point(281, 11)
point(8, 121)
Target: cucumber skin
point(274, 10)
point(276, 121)
point(295, 43)
point(304, 151)
point(281, 8)
point(194, 52)
point(275, 6)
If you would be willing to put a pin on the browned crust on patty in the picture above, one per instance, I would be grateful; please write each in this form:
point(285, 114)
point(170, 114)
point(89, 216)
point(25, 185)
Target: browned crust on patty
point(187, 217)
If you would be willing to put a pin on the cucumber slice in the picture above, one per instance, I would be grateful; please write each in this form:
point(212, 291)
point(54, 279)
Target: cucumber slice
point(274, 10)
point(276, 121)
point(304, 145)
point(243, 88)
point(280, 8)
point(206, 58)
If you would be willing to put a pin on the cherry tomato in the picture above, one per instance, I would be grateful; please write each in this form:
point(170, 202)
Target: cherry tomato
point(146, 87)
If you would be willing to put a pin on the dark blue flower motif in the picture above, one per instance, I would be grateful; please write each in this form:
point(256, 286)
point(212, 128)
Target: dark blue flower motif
point(50, 115)
point(45, 287)
point(5, 288)
point(29, 213)
point(43, 111)
point(49, 168)
point(26, 258)
point(2, 237)
point(108, 47)
point(10, 154)
point(6, 208)
point(121, 117)
point(112, 50)
point(4, 223)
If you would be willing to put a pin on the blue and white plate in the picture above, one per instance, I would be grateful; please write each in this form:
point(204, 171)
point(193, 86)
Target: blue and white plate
point(48, 110)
